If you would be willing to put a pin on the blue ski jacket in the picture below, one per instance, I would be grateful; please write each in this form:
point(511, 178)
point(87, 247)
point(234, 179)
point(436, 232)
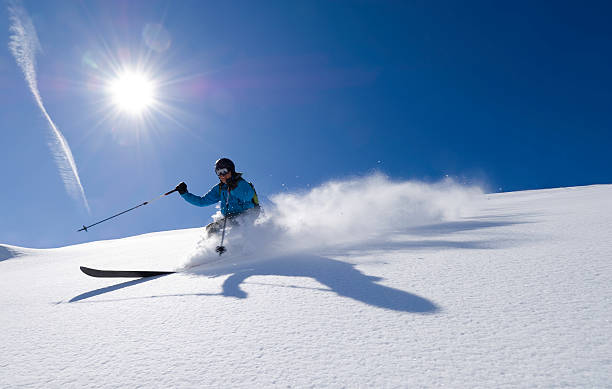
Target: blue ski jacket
point(241, 197)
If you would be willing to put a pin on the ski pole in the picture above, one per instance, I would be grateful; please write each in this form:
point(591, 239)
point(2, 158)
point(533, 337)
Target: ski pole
point(221, 248)
point(127, 210)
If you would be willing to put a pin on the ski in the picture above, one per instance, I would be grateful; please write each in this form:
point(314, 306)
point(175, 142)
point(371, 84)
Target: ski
point(122, 273)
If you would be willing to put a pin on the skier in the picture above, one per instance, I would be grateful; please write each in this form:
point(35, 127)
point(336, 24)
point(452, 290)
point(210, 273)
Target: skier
point(237, 196)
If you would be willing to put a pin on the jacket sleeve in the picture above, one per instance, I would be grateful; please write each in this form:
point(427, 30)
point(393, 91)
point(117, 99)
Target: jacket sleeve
point(209, 198)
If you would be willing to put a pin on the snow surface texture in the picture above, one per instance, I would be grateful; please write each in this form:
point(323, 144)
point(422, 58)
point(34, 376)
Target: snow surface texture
point(515, 294)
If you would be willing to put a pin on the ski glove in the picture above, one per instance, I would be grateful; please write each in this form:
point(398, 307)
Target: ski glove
point(181, 188)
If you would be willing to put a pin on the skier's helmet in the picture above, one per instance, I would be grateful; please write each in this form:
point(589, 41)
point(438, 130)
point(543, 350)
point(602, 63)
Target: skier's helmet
point(224, 165)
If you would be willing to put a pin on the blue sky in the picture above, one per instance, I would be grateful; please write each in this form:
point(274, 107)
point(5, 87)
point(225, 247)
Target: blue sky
point(509, 96)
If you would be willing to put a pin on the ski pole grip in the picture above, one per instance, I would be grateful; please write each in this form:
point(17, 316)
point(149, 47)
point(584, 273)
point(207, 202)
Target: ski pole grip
point(172, 191)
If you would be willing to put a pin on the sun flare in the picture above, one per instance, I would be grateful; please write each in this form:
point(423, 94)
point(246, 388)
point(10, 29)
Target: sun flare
point(132, 92)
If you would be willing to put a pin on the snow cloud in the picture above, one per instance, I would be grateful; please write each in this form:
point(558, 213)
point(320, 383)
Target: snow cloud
point(24, 45)
point(348, 213)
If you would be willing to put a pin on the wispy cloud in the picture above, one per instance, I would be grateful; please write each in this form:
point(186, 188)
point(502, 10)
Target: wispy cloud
point(24, 45)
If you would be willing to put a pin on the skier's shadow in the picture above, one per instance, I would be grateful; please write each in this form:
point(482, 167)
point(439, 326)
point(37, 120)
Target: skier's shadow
point(340, 277)
point(111, 288)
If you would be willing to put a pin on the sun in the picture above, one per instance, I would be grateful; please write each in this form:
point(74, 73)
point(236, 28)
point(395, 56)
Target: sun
point(132, 92)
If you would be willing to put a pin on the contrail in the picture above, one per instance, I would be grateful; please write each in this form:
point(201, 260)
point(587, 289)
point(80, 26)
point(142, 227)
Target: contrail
point(24, 44)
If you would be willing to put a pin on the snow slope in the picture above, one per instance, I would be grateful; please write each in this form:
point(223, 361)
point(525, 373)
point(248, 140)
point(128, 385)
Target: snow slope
point(517, 293)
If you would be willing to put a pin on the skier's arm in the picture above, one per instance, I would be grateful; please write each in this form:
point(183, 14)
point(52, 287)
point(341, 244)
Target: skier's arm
point(213, 196)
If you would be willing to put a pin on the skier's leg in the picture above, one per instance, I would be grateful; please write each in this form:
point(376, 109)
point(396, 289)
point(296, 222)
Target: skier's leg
point(247, 217)
point(232, 221)
point(214, 227)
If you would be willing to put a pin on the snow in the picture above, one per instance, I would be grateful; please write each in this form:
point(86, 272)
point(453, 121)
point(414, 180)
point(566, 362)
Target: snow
point(510, 290)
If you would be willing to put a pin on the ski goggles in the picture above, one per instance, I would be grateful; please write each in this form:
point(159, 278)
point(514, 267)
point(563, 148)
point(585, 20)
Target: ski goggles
point(221, 172)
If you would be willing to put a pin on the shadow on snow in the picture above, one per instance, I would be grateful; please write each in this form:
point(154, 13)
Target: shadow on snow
point(460, 226)
point(112, 288)
point(340, 277)
point(6, 253)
